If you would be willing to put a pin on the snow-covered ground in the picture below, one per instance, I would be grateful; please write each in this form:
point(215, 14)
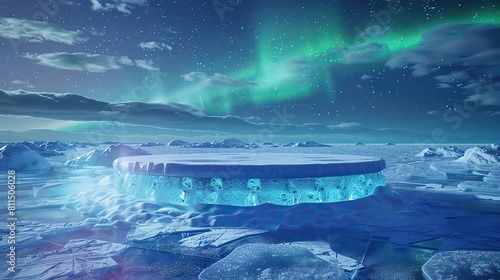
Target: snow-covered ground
point(73, 222)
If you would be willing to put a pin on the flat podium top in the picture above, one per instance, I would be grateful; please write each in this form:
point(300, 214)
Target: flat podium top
point(249, 165)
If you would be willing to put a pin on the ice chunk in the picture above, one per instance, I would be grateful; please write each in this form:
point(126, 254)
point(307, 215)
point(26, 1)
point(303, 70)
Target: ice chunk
point(451, 151)
point(219, 237)
point(482, 155)
point(104, 157)
point(20, 157)
point(322, 250)
point(94, 246)
point(146, 231)
point(76, 258)
point(272, 261)
point(463, 265)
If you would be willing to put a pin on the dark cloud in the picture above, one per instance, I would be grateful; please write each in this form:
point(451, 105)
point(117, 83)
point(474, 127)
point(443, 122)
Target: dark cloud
point(188, 119)
point(466, 56)
point(79, 108)
point(37, 31)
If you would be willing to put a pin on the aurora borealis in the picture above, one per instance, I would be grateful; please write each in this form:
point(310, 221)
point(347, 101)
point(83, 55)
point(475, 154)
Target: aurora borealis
point(347, 71)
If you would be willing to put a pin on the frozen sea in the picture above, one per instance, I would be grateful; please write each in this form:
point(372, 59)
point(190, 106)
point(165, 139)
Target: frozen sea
point(74, 224)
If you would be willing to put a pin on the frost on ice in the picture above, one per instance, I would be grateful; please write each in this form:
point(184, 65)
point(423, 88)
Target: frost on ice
point(463, 265)
point(272, 261)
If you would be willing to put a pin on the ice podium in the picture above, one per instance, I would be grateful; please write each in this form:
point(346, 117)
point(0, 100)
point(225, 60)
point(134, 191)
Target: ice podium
point(248, 179)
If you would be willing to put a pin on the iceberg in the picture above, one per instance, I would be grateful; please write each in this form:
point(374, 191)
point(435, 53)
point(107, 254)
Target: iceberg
point(177, 143)
point(482, 155)
point(21, 157)
point(309, 144)
point(248, 179)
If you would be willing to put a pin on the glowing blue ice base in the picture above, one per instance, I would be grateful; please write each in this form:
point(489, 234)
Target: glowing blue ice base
point(242, 180)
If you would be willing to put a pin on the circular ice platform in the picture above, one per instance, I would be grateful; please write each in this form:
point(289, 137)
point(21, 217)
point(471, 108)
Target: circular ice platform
point(249, 165)
point(248, 179)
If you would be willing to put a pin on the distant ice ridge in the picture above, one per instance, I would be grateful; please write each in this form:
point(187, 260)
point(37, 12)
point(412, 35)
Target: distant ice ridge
point(248, 192)
point(235, 143)
point(451, 151)
point(21, 157)
point(482, 155)
point(226, 143)
point(105, 157)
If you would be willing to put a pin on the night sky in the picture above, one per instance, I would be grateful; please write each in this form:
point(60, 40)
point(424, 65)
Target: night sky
point(275, 70)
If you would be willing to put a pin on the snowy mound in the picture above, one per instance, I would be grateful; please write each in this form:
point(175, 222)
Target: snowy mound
point(463, 265)
point(105, 157)
point(482, 155)
point(21, 157)
point(272, 261)
point(451, 151)
point(310, 144)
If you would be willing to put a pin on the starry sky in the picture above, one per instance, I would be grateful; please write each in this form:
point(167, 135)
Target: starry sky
point(267, 70)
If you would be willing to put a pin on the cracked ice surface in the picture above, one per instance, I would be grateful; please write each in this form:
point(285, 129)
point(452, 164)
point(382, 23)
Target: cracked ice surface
point(77, 257)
